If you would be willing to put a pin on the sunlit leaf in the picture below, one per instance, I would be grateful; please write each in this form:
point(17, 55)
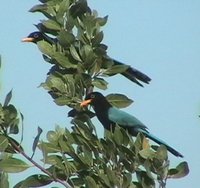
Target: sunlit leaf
point(119, 100)
point(115, 69)
point(180, 171)
point(100, 83)
point(13, 165)
point(50, 24)
point(45, 48)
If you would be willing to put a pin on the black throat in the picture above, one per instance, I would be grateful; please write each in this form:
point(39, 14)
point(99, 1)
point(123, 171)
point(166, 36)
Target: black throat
point(101, 109)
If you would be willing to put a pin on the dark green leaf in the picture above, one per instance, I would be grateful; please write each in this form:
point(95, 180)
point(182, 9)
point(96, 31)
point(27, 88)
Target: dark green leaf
point(13, 165)
point(74, 53)
point(38, 8)
point(119, 100)
point(66, 38)
point(112, 177)
point(97, 39)
point(90, 183)
point(102, 21)
point(63, 60)
point(36, 140)
point(127, 180)
point(8, 98)
point(38, 180)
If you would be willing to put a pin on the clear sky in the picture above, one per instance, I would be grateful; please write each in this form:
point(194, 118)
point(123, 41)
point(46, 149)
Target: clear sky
point(160, 38)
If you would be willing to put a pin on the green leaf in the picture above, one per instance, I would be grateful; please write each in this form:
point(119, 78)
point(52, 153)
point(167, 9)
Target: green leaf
point(8, 98)
point(102, 21)
point(180, 171)
point(74, 53)
point(97, 39)
point(61, 101)
point(38, 180)
point(119, 100)
point(112, 177)
point(50, 24)
point(45, 48)
point(145, 180)
point(115, 69)
point(100, 83)
point(63, 7)
point(147, 153)
point(63, 60)
point(4, 183)
point(36, 140)
point(90, 183)
point(38, 8)
point(127, 180)
point(161, 153)
point(66, 38)
point(48, 147)
point(13, 165)
point(3, 143)
point(52, 137)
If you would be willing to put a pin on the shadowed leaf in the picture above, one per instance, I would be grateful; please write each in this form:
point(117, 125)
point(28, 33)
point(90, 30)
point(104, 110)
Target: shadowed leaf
point(8, 98)
point(36, 140)
point(38, 180)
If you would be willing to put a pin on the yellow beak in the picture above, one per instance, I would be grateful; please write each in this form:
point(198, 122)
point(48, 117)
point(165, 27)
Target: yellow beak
point(85, 103)
point(27, 39)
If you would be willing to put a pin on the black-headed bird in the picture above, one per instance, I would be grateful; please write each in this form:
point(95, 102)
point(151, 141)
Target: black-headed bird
point(130, 73)
point(109, 116)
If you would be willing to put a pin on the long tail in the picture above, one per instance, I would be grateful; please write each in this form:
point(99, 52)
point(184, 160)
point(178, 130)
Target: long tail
point(134, 75)
point(159, 141)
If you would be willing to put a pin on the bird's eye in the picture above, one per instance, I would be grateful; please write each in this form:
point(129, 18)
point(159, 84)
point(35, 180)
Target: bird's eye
point(92, 96)
point(35, 35)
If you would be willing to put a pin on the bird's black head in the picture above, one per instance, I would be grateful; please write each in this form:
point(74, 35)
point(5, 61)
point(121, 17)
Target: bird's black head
point(34, 37)
point(96, 99)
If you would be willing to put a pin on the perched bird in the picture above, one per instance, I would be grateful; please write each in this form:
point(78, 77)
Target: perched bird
point(130, 73)
point(109, 116)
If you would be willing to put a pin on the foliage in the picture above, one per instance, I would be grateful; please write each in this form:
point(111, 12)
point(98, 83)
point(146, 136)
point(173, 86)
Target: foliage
point(79, 158)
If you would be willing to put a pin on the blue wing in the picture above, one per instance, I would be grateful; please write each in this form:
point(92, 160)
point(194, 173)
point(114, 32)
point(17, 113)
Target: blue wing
point(124, 119)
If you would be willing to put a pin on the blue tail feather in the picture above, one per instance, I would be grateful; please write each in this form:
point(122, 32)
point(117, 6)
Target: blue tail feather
point(159, 141)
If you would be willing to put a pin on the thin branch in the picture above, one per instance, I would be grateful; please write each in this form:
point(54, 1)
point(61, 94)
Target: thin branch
point(38, 166)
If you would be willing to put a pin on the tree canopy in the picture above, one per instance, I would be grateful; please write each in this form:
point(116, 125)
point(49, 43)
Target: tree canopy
point(73, 45)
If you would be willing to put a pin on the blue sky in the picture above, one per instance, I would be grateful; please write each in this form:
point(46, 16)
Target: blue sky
point(160, 38)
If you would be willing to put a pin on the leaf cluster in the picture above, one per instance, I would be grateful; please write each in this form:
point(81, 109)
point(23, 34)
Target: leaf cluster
point(82, 159)
point(79, 58)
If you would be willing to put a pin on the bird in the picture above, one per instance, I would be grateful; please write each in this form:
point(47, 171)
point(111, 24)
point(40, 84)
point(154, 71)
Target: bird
point(109, 116)
point(130, 73)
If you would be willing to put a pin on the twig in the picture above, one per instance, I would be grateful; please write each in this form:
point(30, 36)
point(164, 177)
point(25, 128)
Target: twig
point(37, 165)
